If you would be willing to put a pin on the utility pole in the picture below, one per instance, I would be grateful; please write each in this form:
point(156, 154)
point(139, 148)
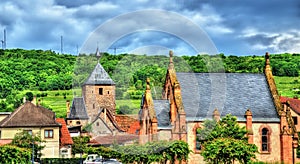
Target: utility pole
point(115, 49)
point(4, 40)
point(77, 49)
point(61, 44)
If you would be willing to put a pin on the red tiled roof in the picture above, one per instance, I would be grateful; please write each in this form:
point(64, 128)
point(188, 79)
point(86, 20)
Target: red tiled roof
point(110, 139)
point(65, 137)
point(5, 141)
point(294, 103)
point(129, 123)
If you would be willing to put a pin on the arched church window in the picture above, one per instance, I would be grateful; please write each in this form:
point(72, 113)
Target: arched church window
point(265, 139)
point(198, 139)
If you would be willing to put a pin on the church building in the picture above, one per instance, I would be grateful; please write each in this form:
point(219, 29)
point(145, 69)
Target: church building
point(190, 98)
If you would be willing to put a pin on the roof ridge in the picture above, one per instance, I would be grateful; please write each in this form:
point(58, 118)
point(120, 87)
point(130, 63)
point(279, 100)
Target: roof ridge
point(12, 114)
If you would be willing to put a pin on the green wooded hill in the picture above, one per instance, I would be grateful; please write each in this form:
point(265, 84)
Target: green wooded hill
point(48, 74)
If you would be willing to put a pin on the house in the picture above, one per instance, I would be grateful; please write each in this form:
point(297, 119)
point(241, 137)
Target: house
point(292, 105)
point(65, 140)
point(37, 120)
point(190, 98)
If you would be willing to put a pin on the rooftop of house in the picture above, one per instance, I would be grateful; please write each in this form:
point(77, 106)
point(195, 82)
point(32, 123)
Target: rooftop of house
point(78, 110)
point(294, 103)
point(65, 137)
point(129, 123)
point(232, 93)
point(30, 115)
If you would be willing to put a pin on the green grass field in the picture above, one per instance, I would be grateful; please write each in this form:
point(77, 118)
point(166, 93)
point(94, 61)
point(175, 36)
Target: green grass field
point(288, 86)
point(55, 100)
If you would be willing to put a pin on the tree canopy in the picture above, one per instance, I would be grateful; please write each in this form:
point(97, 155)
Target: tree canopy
point(227, 142)
point(29, 141)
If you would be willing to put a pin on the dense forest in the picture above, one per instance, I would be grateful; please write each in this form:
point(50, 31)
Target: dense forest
point(46, 70)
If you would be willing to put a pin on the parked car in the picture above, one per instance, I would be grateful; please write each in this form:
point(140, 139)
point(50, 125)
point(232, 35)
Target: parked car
point(93, 159)
point(111, 161)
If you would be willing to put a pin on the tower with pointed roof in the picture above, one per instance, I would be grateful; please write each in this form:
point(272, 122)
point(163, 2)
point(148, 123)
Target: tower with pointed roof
point(98, 92)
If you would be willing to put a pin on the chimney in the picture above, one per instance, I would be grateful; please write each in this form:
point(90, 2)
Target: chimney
point(39, 102)
point(68, 107)
point(216, 115)
point(34, 100)
point(248, 115)
point(24, 100)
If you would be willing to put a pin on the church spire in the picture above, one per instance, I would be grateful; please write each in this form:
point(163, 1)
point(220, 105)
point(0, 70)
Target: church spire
point(98, 55)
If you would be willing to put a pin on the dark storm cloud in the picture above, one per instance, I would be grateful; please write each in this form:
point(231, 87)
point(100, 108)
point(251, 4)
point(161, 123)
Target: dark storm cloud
point(236, 27)
point(262, 39)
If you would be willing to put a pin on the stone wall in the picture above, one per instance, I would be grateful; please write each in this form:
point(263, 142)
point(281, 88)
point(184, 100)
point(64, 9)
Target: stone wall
point(94, 100)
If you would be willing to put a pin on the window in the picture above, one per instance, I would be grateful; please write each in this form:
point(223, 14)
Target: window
point(108, 92)
point(265, 140)
point(93, 106)
point(0, 134)
point(198, 139)
point(28, 131)
point(78, 122)
point(295, 119)
point(48, 133)
point(100, 91)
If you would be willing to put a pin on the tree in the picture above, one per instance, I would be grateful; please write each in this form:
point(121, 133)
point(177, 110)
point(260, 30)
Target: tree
point(13, 154)
point(29, 96)
point(29, 141)
point(227, 142)
point(80, 144)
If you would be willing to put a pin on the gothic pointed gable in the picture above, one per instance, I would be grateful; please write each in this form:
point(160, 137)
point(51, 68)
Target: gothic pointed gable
point(99, 76)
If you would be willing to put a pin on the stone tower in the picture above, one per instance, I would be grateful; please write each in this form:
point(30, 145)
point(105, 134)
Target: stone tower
point(98, 92)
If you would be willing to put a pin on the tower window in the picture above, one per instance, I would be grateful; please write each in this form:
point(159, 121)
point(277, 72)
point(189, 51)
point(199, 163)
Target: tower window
point(100, 91)
point(295, 119)
point(108, 92)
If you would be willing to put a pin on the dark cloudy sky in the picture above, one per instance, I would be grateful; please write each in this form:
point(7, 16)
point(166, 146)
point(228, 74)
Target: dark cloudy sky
point(248, 27)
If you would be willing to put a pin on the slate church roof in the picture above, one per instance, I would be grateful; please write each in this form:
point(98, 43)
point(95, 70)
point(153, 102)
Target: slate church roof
point(229, 93)
point(78, 110)
point(30, 115)
point(99, 76)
